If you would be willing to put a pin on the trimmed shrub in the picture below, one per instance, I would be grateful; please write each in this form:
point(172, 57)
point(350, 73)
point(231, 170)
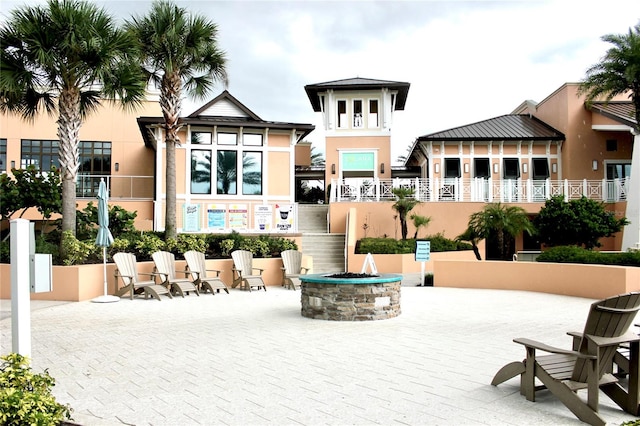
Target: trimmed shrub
point(439, 243)
point(25, 397)
point(575, 254)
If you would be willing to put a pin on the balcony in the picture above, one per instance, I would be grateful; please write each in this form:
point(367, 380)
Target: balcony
point(119, 187)
point(479, 190)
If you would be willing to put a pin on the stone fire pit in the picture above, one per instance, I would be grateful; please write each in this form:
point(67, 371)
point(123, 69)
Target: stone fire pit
point(350, 299)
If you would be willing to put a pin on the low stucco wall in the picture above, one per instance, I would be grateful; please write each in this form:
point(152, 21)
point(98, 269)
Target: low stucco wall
point(590, 281)
point(405, 263)
point(84, 282)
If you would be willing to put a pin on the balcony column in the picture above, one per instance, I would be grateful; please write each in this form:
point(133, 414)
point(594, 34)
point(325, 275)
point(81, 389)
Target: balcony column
point(631, 233)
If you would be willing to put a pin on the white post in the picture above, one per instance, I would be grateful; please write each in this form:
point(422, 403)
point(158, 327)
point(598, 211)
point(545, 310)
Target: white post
point(20, 288)
point(631, 234)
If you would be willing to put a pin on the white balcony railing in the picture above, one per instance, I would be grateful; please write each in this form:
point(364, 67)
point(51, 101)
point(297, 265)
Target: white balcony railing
point(479, 190)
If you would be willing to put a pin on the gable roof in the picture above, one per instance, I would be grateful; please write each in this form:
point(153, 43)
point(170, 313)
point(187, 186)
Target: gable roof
point(225, 105)
point(357, 83)
point(224, 111)
point(621, 111)
point(513, 127)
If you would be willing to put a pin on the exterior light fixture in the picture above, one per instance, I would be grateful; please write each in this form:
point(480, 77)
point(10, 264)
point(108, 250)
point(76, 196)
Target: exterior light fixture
point(594, 165)
point(495, 168)
point(117, 167)
point(466, 167)
point(437, 167)
point(525, 168)
point(381, 168)
point(333, 169)
point(13, 164)
point(554, 167)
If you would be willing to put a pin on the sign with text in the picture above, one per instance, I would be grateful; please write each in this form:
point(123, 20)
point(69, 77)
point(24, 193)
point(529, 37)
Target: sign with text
point(423, 251)
point(263, 217)
point(238, 216)
point(191, 218)
point(216, 216)
point(284, 220)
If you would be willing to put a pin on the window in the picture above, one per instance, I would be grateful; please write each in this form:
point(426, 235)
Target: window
point(452, 168)
point(618, 170)
point(227, 139)
point(227, 172)
point(357, 114)
point(201, 138)
point(41, 154)
point(252, 173)
point(511, 168)
point(252, 139)
point(3, 155)
point(373, 113)
point(200, 171)
point(95, 158)
point(612, 145)
point(540, 168)
point(342, 114)
point(481, 168)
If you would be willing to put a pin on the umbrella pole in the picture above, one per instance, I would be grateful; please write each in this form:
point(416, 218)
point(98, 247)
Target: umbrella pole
point(104, 266)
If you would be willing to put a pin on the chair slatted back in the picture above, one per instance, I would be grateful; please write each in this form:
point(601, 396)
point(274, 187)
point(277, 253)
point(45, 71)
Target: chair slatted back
point(196, 262)
point(243, 261)
point(610, 317)
point(292, 261)
point(165, 263)
point(127, 267)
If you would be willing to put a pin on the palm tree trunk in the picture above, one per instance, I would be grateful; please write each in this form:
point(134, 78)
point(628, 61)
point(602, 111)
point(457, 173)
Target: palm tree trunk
point(170, 104)
point(69, 122)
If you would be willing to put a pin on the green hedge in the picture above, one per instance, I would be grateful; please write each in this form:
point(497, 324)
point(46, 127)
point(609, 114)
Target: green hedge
point(144, 244)
point(574, 254)
point(390, 246)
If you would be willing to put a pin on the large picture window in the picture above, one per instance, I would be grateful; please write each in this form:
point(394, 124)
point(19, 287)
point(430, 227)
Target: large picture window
point(227, 172)
point(200, 171)
point(41, 154)
point(252, 173)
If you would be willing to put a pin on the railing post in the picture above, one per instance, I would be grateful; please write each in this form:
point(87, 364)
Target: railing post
point(547, 188)
point(566, 191)
point(585, 187)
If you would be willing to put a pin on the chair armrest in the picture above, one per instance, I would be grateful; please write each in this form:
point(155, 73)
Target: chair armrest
point(614, 341)
point(217, 271)
point(551, 349)
point(147, 274)
point(305, 269)
point(258, 269)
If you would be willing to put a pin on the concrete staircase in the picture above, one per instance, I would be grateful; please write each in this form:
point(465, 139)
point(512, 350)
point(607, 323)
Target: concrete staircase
point(326, 249)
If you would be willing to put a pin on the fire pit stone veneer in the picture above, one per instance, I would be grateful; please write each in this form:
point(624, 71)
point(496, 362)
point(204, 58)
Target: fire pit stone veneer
point(350, 299)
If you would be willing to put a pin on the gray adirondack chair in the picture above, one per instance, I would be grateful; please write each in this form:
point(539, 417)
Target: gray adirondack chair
point(292, 268)
point(127, 270)
point(243, 271)
point(588, 365)
point(166, 268)
point(197, 267)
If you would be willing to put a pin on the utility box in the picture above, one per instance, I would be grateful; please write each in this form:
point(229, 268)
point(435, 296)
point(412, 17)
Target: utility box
point(41, 273)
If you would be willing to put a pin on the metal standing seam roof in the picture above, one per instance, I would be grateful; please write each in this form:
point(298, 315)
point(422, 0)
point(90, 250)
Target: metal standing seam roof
point(515, 127)
point(357, 83)
point(620, 111)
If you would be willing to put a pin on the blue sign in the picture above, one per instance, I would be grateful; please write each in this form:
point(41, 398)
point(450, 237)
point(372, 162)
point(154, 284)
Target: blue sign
point(423, 251)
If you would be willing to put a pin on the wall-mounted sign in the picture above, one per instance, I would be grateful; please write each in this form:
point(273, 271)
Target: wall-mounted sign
point(191, 218)
point(357, 161)
point(263, 217)
point(238, 216)
point(285, 217)
point(216, 216)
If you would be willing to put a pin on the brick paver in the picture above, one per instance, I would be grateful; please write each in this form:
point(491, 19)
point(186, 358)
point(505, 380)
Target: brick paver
point(252, 359)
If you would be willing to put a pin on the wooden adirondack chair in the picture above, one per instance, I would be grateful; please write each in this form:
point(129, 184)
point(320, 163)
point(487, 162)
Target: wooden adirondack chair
point(198, 269)
point(244, 271)
point(292, 268)
point(166, 268)
point(127, 269)
point(588, 366)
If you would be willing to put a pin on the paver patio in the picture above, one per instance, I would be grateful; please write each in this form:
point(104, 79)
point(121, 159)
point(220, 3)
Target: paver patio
point(252, 359)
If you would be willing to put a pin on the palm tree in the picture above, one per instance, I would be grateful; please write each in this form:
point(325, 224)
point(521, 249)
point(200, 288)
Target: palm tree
point(178, 51)
point(405, 202)
point(419, 222)
point(470, 236)
point(317, 159)
point(63, 58)
point(499, 221)
point(618, 72)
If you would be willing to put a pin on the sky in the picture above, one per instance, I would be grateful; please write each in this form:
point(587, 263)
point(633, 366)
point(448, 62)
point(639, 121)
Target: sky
point(466, 61)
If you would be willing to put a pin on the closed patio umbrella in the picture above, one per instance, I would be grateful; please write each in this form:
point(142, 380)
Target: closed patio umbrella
point(104, 238)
